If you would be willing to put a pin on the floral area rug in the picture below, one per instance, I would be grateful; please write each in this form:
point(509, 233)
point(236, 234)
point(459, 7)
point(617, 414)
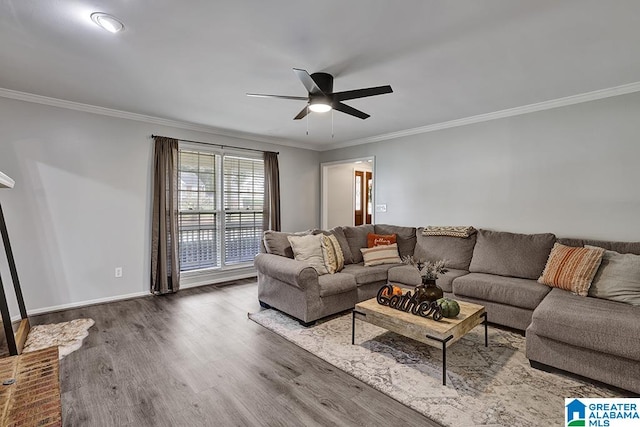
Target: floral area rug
point(485, 386)
point(68, 336)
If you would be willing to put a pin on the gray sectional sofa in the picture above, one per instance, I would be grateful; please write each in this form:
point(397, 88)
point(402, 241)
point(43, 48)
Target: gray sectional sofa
point(591, 337)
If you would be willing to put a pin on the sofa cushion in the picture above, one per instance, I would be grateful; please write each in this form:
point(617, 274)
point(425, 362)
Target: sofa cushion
point(408, 275)
point(405, 237)
point(277, 242)
point(338, 232)
point(600, 325)
point(455, 251)
point(385, 254)
point(405, 274)
point(357, 239)
point(333, 284)
point(445, 281)
point(618, 278)
point(517, 292)
point(511, 254)
point(571, 268)
point(620, 247)
point(309, 249)
point(365, 275)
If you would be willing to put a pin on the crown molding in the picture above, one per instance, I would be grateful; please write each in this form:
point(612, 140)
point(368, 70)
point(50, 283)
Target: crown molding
point(510, 112)
point(93, 109)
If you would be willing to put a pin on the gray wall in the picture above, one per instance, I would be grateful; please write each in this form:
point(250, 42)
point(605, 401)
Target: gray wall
point(572, 171)
point(81, 204)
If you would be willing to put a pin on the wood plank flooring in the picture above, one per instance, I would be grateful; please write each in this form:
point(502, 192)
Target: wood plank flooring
point(195, 359)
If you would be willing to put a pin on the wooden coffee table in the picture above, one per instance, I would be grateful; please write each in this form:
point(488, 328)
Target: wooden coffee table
point(440, 334)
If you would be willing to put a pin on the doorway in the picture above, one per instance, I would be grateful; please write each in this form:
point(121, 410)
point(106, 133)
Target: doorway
point(348, 191)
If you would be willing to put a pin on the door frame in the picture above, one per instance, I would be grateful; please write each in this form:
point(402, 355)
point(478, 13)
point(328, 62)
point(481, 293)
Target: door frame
point(324, 190)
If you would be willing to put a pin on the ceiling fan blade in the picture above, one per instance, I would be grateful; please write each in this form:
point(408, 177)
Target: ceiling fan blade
point(362, 93)
point(302, 114)
point(307, 81)
point(296, 98)
point(350, 110)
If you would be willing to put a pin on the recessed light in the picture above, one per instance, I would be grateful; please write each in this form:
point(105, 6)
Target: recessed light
point(108, 22)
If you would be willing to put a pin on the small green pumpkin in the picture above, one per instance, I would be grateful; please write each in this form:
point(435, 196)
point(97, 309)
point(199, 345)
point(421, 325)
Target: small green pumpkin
point(450, 308)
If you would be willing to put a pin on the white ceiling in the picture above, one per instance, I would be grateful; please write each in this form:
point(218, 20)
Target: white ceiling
point(194, 61)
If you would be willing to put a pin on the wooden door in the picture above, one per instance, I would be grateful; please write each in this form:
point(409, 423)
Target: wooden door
point(359, 205)
point(363, 189)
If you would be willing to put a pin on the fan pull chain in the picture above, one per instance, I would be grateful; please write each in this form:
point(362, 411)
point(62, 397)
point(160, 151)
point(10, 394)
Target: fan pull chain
point(331, 123)
point(307, 119)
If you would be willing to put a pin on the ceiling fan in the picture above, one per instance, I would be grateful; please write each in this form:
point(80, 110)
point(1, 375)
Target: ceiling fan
point(321, 97)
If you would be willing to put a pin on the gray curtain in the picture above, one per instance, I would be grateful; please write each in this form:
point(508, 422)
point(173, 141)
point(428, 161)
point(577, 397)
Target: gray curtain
point(165, 271)
point(271, 209)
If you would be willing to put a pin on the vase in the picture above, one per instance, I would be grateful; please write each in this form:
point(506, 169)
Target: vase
point(428, 291)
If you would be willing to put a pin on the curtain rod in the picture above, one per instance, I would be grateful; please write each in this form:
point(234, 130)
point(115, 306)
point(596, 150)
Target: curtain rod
point(217, 145)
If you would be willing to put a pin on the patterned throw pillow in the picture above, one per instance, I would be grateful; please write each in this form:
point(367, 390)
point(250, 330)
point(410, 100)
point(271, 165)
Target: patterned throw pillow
point(374, 240)
point(309, 249)
point(332, 253)
point(571, 269)
point(387, 254)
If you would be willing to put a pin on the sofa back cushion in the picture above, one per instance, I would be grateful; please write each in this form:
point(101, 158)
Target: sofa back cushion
point(620, 247)
point(455, 251)
point(357, 239)
point(277, 243)
point(511, 254)
point(618, 278)
point(405, 237)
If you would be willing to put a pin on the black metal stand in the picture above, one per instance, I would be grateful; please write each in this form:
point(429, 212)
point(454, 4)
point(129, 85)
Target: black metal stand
point(444, 354)
point(486, 332)
point(6, 317)
point(353, 325)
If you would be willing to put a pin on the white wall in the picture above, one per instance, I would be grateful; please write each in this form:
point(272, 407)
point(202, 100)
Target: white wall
point(339, 187)
point(81, 203)
point(572, 171)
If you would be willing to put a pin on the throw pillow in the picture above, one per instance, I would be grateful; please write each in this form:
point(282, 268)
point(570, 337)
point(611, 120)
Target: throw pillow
point(571, 269)
point(618, 278)
point(332, 253)
point(387, 254)
point(309, 249)
point(380, 239)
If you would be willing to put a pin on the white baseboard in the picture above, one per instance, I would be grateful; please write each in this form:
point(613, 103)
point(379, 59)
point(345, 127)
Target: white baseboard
point(191, 283)
point(79, 304)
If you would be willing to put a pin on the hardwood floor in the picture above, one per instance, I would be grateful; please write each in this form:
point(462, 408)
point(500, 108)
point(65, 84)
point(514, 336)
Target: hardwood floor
point(195, 359)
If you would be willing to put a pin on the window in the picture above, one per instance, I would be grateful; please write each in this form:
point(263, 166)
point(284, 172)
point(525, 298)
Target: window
point(220, 209)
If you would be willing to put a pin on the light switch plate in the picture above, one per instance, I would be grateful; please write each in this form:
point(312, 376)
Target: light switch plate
point(381, 208)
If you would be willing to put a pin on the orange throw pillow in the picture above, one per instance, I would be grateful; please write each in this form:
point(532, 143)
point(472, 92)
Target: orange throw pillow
point(571, 269)
point(374, 240)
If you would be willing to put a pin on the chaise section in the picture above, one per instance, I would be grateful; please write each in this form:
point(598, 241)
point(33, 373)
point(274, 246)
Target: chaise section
point(587, 336)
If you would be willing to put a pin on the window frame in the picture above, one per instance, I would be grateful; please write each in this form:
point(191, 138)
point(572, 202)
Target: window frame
point(219, 210)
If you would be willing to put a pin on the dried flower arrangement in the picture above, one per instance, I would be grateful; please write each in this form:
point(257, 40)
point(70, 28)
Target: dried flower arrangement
point(428, 269)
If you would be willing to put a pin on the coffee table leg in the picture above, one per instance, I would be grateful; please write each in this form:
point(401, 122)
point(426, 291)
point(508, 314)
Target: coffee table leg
point(353, 327)
point(444, 355)
point(486, 333)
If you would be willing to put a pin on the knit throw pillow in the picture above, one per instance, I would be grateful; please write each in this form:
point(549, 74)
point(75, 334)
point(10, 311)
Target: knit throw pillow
point(387, 254)
point(332, 253)
point(571, 269)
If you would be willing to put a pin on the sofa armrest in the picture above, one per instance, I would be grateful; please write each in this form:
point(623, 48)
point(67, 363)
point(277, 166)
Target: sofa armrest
point(287, 270)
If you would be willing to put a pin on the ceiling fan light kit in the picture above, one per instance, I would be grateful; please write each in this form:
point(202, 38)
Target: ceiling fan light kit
point(321, 97)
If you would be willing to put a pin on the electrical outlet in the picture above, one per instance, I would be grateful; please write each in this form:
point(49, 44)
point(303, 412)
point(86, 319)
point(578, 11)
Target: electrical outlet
point(118, 271)
point(381, 208)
